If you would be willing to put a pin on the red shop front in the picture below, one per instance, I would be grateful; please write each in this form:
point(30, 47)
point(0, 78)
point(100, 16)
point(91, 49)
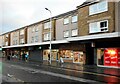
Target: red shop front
point(112, 57)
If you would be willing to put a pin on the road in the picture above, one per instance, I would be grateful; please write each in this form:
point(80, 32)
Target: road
point(16, 73)
point(31, 73)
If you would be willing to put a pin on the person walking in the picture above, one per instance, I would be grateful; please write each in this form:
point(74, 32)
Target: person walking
point(26, 57)
point(49, 57)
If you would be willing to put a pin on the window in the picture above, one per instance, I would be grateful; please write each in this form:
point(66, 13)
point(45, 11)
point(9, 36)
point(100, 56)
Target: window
point(36, 29)
point(66, 34)
point(21, 32)
point(101, 26)
point(36, 38)
point(22, 41)
point(6, 43)
point(32, 40)
point(46, 36)
point(47, 25)
point(33, 29)
point(104, 25)
point(98, 8)
point(74, 32)
point(66, 20)
point(6, 35)
point(74, 18)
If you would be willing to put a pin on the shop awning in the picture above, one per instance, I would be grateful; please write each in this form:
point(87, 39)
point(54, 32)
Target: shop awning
point(96, 36)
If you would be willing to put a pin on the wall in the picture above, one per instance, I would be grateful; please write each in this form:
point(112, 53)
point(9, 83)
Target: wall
point(61, 27)
point(85, 19)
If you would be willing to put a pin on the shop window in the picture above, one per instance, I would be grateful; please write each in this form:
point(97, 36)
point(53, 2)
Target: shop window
point(78, 57)
point(100, 56)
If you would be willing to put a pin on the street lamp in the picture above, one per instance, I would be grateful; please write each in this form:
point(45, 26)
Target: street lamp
point(50, 31)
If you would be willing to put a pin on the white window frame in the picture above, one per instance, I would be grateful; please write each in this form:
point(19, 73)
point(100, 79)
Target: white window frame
point(66, 34)
point(22, 41)
point(96, 8)
point(46, 36)
point(36, 38)
point(6, 43)
point(74, 18)
point(47, 25)
point(21, 32)
point(66, 20)
point(74, 32)
point(98, 28)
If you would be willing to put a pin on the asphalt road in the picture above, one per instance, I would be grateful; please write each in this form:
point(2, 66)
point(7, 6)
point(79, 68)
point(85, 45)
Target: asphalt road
point(16, 73)
point(25, 72)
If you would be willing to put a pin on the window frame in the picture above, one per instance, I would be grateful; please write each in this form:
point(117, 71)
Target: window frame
point(72, 32)
point(98, 26)
point(47, 37)
point(64, 35)
point(97, 10)
point(73, 21)
point(47, 25)
point(66, 21)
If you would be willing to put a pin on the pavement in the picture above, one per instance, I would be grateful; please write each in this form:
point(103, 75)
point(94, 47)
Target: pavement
point(90, 71)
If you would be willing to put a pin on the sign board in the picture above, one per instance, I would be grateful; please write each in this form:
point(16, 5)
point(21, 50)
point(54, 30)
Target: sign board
point(112, 57)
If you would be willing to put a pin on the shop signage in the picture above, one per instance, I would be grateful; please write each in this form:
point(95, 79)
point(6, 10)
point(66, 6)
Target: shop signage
point(112, 57)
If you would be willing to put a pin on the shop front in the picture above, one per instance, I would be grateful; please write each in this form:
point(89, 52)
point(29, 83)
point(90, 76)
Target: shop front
point(108, 57)
point(108, 53)
point(72, 56)
point(54, 54)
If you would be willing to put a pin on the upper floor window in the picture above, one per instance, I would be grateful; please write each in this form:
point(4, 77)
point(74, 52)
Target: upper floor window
point(101, 26)
point(66, 20)
point(98, 8)
point(33, 29)
point(6, 35)
point(74, 32)
point(21, 41)
point(36, 29)
point(6, 43)
point(75, 18)
point(47, 25)
point(36, 38)
point(46, 36)
point(21, 32)
point(66, 34)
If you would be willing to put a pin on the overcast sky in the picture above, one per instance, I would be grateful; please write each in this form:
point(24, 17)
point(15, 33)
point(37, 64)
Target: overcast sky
point(15, 14)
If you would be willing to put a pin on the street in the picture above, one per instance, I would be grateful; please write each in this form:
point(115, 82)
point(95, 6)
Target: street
point(31, 73)
point(13, 73)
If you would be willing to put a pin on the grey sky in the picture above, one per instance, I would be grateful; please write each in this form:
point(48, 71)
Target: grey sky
point(15, 14)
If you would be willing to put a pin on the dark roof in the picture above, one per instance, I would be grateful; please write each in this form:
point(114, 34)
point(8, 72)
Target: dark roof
point(88, 2)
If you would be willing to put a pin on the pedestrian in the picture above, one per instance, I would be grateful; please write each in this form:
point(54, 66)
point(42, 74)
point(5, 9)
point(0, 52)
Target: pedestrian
point(48, 56)
point(8, 57)
point(26, 57)
point(61, 60)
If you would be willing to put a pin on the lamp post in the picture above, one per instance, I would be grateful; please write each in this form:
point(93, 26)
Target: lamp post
point(50, 31)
